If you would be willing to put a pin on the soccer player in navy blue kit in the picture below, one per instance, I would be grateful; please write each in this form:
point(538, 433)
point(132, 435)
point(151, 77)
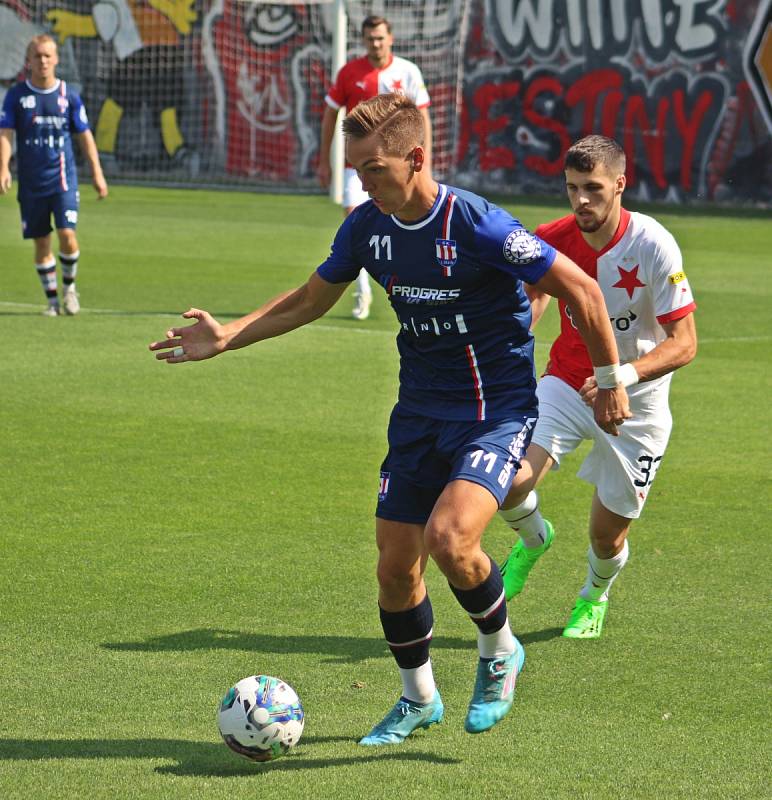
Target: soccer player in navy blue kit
point(45, 113)
point(452, 265)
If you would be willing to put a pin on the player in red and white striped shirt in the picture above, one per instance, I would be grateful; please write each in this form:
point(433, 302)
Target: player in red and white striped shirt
point(378, 72)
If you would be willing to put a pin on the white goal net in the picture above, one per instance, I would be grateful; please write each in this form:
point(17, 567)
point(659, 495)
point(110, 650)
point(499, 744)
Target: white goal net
point(230, 92)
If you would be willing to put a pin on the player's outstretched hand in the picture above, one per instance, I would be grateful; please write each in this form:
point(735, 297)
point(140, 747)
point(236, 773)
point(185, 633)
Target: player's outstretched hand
point(204, 339)
point(611, 407)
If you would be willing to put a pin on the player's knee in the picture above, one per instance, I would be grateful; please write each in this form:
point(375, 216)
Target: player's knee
point(445, 542)
point(68, 241)
point(608, 543)
point(397, 579)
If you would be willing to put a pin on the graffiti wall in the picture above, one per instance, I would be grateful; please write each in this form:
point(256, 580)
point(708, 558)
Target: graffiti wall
point(670, 79)
point(227, 91)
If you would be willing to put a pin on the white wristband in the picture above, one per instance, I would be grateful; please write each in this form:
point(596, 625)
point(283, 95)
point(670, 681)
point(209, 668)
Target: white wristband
point(607, 377)
point(628, 375)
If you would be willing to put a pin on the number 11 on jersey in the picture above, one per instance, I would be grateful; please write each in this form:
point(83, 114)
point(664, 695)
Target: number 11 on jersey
point(384, 242)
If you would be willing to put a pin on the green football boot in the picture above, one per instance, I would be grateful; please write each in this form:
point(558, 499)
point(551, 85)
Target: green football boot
point(520, 562)
point(586, 620)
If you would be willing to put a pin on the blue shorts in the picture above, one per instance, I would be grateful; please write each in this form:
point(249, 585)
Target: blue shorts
point(36, 212)
point(426, 454)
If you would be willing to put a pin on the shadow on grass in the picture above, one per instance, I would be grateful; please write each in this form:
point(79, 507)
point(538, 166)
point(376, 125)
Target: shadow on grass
point(201, 759)
point(334, 649)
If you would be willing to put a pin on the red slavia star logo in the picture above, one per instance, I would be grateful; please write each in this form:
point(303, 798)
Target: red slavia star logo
point(628, 280)
point(396, 86)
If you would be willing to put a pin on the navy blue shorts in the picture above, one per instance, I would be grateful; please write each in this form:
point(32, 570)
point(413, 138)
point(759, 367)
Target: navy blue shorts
point(36, 212)
point(426, 454)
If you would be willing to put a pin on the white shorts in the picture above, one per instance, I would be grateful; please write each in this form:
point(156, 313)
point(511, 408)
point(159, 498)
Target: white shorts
point(353, 193)
point(622, 468)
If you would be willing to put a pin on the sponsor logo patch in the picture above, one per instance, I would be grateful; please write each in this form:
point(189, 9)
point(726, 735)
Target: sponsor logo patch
point(677, 277)
point(521, 247)
point(419, 293)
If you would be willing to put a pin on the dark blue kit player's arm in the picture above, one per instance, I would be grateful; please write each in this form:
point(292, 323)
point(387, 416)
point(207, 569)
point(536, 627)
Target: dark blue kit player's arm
point(341, 265)
point(80, 127)
point(7, 127)
point(531, 259)
point(283, 313)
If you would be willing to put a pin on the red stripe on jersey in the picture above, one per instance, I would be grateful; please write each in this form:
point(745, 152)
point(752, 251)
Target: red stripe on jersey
point(477, 382)
point(678, 313)
point(448, 217)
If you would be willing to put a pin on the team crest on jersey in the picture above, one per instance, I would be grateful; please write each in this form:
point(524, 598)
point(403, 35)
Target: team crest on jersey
point(384, 487)
point(522, 247)
point(629, 280)
point(63, 104)
point(447, 254)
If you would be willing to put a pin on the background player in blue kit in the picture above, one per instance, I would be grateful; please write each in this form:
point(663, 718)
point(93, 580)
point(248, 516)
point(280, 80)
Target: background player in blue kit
point(45, 113)
point(452, 265)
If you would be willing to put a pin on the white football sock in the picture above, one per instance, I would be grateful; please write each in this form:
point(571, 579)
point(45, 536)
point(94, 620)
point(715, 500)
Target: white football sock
point(601, 573)
point(69, 262)
point(527, 520)
point(418, 684)
point(47, 274)
point(498, 644)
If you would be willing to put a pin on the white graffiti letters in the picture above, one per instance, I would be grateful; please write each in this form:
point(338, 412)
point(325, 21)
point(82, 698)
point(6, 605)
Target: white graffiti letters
point(688, 27)
point(261, 101)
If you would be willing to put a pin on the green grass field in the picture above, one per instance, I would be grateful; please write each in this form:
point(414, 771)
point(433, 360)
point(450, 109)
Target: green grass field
point(167, 531)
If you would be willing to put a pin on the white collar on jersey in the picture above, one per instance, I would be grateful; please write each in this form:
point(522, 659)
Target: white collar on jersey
point(441, 195)
point(54, 88)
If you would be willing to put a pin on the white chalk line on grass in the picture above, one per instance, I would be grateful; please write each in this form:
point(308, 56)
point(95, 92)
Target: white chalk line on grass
point(358, 329)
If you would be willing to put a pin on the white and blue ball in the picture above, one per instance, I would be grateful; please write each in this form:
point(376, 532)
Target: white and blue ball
point(260, 718)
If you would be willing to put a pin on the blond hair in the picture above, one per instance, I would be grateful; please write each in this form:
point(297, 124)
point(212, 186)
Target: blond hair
point(393, 118)
point(41, 38)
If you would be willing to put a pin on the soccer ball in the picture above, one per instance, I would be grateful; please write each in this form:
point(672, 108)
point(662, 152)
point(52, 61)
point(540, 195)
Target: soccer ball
point(260, 718)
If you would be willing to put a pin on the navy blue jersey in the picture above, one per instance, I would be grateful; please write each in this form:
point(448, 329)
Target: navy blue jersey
point(454, 280)
point(44, 121)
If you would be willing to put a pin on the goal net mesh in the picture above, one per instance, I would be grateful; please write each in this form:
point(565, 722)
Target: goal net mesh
point(229, 92)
